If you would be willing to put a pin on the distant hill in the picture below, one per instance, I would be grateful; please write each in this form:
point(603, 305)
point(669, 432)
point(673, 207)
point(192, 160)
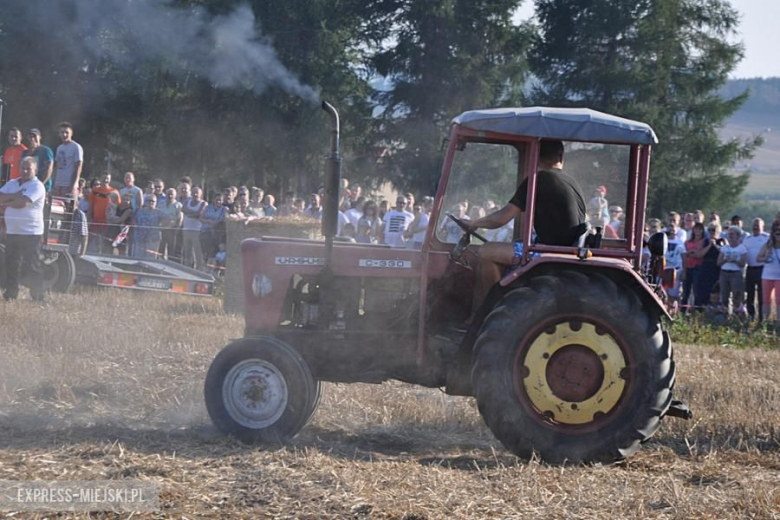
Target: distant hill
point(759, 115)
point(763, 105)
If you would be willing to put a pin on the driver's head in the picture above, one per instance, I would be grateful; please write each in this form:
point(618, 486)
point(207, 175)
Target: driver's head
point(550, 153)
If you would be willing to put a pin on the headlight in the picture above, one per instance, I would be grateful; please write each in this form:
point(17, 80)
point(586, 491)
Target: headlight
point(261, 286)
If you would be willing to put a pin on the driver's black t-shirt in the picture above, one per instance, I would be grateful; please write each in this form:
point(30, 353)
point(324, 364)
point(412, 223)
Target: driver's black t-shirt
point(559, 208)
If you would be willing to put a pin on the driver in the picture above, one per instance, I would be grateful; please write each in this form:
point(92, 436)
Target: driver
point(559, 211)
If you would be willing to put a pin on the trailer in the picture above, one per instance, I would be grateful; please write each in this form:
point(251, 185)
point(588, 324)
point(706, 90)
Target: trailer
point(145, 275)
point(61, 269)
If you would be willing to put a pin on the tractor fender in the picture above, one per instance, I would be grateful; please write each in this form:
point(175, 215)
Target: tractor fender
point(616, 268)
point(459, 374)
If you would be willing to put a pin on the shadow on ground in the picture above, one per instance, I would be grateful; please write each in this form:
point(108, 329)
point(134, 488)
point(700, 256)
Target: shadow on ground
point(20, 432)
point(460, 450)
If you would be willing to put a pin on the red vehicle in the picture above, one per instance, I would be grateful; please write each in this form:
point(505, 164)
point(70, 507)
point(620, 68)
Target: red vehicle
point(567, 356)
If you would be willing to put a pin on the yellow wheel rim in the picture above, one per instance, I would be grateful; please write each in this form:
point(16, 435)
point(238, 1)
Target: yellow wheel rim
point(572, 373)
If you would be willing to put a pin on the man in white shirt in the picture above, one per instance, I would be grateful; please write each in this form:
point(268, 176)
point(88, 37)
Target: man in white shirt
point(344, 226)
point(132, 192)
point(674, 260)
point(415, 235)
point(69, 159)
point(396, 222)
point(674, 223)
point(755, 269)
point(355, 211)
point(24, 200)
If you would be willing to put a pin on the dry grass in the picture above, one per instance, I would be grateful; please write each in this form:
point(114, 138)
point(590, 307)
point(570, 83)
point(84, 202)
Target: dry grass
point(107, 384)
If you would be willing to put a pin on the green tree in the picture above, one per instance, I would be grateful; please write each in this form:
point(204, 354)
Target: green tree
point(657, 61)
point(445, 57)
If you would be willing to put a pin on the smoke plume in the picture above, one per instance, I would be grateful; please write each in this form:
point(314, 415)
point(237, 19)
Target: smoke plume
point(227, 49)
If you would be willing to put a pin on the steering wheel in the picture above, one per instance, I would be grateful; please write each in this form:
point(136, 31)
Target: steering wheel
point(462, 246)
point(465, 228)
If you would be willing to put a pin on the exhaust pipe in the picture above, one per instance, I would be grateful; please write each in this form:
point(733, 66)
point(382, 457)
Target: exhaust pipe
point(330, 211)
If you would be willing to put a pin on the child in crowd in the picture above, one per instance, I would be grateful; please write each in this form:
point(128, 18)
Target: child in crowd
point(732, 261)
point(79, 230)
point(220, 259)
point(118, 215)
point(598, 208)
point(84, 192)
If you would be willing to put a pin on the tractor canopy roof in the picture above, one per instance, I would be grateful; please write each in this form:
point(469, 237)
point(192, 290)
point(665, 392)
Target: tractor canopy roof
point(566, 124)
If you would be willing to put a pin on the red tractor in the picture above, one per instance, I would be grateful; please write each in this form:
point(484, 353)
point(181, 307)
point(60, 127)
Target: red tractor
point(567, 356)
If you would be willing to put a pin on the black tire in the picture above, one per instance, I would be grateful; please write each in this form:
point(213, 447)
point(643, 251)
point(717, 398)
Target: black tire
point(614, 315)
point(276, 365)
point(318, 390)
point(60, 275)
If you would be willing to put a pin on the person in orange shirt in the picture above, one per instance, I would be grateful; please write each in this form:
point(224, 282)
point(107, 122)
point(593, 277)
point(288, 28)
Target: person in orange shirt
point(99, 198)
point(12, 157)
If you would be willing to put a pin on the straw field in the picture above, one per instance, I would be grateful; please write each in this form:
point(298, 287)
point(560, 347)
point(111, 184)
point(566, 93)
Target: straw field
point(108, 385)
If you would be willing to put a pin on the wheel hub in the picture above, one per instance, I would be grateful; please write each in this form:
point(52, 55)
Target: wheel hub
point(572, 373)
point(255, 393)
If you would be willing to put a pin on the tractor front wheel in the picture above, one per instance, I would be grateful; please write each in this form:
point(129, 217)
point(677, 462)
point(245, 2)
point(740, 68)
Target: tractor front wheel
point(59, 274)
point(573, 368)
point(260, 390)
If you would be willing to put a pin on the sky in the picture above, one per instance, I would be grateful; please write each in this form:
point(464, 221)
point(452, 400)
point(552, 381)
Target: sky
point(759, 32)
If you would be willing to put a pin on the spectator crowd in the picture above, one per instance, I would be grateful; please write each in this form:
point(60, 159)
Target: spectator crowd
point(713, 266)
point(720, 266)
point(180, 222)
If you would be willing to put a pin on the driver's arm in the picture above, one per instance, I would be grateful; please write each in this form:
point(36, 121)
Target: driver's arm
point(496, 219)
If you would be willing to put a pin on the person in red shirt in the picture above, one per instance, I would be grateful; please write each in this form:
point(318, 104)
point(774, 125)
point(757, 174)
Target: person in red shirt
point(12, 157)
point(99, 198)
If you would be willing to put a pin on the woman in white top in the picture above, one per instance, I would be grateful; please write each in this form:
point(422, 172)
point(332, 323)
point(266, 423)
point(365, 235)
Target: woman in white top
point(770, 276)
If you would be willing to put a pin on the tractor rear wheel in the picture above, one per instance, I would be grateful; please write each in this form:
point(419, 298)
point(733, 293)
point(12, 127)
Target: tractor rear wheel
point(573, 368)
point(260, 390)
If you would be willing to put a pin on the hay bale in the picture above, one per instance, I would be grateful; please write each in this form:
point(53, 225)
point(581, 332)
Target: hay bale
point(237, 231)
